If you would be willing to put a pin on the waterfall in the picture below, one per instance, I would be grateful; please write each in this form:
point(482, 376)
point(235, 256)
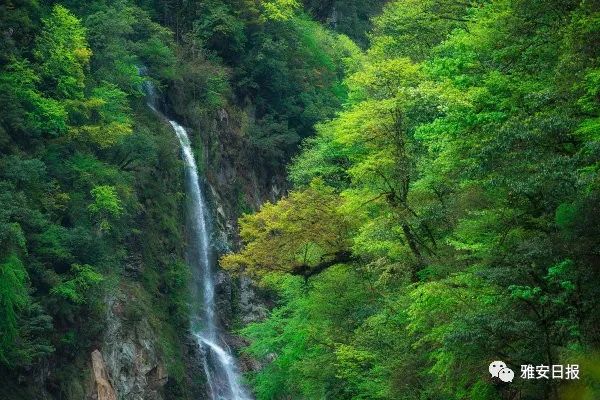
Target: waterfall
point(219, 365)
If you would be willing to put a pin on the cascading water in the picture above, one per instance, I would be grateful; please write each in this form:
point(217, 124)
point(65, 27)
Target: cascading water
point(219, 365)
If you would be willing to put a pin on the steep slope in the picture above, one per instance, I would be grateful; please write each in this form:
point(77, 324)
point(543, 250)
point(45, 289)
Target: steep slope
point(95, 283)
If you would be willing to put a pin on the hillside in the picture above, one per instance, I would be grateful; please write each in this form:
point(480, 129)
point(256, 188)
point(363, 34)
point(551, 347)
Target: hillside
point(283, 199)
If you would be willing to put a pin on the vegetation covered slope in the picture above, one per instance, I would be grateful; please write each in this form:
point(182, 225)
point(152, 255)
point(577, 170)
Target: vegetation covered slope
point(90, 190)
point(446, 217)
point(90, 186)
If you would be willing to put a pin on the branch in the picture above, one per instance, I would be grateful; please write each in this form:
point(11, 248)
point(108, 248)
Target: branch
point(337, 258)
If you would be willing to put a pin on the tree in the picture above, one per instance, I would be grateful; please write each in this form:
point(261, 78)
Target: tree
point(105, 117)
point(302, 234)
point(466, 162)
point(63, 53)
point(27, 111)
point(13, 299)
point(106, 206)
point(77, 289)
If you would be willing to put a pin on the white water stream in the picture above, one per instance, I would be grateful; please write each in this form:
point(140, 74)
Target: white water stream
point(219, 365)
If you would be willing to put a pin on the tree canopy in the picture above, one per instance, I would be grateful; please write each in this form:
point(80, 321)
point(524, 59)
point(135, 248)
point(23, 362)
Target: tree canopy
point(465, 164)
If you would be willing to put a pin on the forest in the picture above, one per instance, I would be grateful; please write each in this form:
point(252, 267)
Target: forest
point(408, 189)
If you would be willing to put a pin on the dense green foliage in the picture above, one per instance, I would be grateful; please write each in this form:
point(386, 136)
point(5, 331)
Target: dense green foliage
point(443, 204)
point(446, 217)
point(283, 69)
point(90, 202)
point(350, 17)
point(79, 171)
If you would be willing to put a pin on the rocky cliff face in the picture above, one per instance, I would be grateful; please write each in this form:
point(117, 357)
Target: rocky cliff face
point(129, 362)
point(236, 183)
point(144, 351)
point(131, 357)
